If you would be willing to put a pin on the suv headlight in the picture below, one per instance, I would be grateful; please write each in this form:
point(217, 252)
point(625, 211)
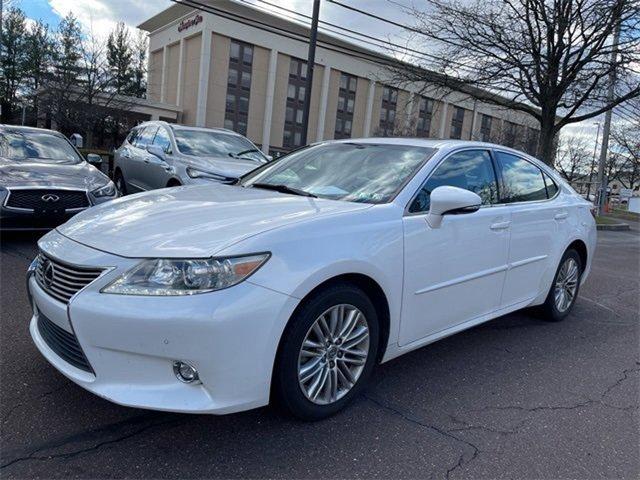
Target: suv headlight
point(185, 277)
point(109, 190)
point(197, 173)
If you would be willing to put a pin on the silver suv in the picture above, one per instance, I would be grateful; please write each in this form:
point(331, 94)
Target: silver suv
point(158, 154)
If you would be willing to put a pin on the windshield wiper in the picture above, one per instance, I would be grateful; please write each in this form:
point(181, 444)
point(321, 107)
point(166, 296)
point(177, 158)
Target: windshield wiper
point(283, 189)
point(244, 152)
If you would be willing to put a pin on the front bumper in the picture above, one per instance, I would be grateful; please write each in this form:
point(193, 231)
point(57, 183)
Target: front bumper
point(230, 336)
point(17, 219)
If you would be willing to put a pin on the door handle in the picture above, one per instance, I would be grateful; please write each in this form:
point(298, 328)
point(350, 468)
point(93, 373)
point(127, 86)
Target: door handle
point(146, 160)
point(561, 216)
point(500, 225)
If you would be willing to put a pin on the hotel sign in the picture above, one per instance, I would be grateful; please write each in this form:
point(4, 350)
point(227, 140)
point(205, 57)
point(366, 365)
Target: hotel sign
point(189, 22)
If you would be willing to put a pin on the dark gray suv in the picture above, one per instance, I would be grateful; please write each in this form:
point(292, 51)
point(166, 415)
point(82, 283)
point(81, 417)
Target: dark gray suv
point(157, 154)
point(44, 180)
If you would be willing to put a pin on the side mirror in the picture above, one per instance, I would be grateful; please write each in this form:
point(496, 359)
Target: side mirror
point(95, 160)
point(448, 200)
point(269, 158)
point(157, 151)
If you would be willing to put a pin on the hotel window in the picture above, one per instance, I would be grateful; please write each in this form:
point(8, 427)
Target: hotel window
point(425, 112)
point(532, 141)
point(346, 104)
point(388, 111)
point(457, 120)
point(296, 92)
point(485, 128)
point(510, 134)
point(238, 87)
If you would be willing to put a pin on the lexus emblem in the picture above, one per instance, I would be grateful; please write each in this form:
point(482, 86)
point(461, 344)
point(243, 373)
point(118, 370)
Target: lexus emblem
point(50, 198)
point(47, 273)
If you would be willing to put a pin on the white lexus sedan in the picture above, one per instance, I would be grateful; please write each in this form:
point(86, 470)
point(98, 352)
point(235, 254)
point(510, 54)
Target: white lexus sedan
point(295, 282)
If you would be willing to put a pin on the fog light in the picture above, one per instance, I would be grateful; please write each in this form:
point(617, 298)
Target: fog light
point(185, 372)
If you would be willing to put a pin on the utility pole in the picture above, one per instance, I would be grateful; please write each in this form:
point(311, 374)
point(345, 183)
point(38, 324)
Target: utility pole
point(593, 161)
point(606, 130)
point(311, 59)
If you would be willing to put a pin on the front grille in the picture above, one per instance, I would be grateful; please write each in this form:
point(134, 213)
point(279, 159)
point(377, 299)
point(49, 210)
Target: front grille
point(61, 280)
point(65, 344)
point(44, 199)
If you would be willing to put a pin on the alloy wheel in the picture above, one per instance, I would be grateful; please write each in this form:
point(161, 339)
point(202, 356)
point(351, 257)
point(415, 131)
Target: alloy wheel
point(333, 354)
point(566, 284)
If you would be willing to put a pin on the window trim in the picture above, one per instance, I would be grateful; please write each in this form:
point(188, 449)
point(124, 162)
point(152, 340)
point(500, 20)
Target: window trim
point(521, 156)
point(407, 213)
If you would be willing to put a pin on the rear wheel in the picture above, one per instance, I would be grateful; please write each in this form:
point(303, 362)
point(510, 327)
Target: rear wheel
point(327, 353)
point(565, 287)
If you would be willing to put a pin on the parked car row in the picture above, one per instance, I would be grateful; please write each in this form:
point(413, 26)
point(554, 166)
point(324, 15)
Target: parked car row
point(44, 180)
point(294, 281)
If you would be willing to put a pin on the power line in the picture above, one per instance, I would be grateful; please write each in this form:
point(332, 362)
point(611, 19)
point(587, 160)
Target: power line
point(382, 19)
point(287, 33)
point(370, 38)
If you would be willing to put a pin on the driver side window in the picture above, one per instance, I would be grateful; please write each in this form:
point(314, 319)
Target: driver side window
point(470, 169)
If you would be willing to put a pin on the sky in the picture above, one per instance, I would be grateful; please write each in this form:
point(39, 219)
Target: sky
point(100, 16)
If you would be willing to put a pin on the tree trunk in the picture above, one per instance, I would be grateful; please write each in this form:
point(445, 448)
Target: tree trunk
point(547, 145)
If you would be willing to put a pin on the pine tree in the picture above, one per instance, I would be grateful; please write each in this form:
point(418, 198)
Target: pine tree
point(119, 58)
point(39, 60)
point(12, 61)
point(138, 87)
point(68, 52)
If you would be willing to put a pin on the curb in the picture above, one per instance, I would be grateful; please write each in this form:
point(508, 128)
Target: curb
point(614, 226)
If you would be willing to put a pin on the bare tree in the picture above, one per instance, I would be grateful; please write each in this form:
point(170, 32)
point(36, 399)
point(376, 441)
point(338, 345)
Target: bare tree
point(550, 59)
point(573, 158)
point(624, 163)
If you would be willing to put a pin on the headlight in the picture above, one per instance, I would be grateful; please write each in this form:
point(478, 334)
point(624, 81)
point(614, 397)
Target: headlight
point(185, 277)
point(197, 173)
point(109, 190)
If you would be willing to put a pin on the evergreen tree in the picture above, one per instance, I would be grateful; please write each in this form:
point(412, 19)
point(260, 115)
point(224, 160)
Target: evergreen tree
point(119, 58)
point(39, 60)
point(68, 52)
point(12, 61)
point(138, 87)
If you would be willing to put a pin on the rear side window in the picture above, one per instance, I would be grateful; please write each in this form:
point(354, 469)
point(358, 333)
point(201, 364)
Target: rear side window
point(522, 180)
point(552, 188)
point(132, 136)
point(469, 169)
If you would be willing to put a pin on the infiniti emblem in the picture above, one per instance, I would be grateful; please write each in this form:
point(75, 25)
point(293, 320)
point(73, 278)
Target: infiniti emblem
point(50, 197)
point(47, 273)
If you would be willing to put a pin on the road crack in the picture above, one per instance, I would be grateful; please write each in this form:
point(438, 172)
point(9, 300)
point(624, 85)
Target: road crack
point(464, 458)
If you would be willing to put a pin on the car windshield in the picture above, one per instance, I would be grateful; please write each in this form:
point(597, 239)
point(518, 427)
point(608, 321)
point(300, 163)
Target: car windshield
point(216, 144)
point(356, 172)
point(34, 145)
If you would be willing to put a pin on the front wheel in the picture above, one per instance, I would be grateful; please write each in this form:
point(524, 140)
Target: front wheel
point(564, 289)
point(120, 183)
point(327, 353)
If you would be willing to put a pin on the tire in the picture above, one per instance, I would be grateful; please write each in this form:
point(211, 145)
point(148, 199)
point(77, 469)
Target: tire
point(290, 390)
point(552, 309)
point(121, 185)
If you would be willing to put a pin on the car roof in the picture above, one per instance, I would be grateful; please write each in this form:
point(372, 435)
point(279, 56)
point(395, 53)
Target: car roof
point(447, 144)
point(175, 126)
point(21, 128)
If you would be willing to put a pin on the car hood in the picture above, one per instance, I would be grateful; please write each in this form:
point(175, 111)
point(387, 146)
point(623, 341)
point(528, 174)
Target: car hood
point(31, 173)
point(228, 167)
point(192, 221)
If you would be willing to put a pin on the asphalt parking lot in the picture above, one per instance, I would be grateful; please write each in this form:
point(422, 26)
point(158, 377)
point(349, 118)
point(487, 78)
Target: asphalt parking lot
point(514, 398)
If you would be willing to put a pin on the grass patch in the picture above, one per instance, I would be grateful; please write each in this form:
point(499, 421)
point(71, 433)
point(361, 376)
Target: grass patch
point(606, 220)
point(625, 214)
